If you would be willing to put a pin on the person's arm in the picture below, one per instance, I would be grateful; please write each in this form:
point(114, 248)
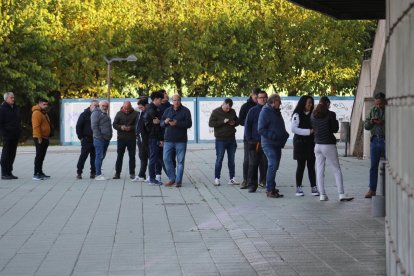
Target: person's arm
point(248, 126)
point(236, 119)
point(368, 125)
point(295, 126)
point(164, 122)
point(214, 120)
point(334, 123)
point(263, 127)
point(79, 126)
point(186, 121)
point(95, 125)
point(117, 122)
point(36, 122)
point(243, 114)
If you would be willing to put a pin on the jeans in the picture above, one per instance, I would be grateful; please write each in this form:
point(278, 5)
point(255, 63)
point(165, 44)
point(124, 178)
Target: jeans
point(155, 158)
point(143, 157)
point(101, 146)
point(172, 150)
point(86, 149)
point(328, 152)
point(257, 159)
point(221, 147)
point(41, 149)
point(377, 149)
point(8, 154)
point(123, 144)
point(273, 154)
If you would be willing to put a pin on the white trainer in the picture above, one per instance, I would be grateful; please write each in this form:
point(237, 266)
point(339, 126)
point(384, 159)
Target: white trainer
point(323, 198)
point(100, 177)
point(138, 179)
point(233, 181)
point(158, 177)
point(216, 182)
point(345, 197)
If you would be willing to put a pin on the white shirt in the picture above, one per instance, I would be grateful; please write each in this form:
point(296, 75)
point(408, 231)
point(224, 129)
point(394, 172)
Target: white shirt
point(295, 126)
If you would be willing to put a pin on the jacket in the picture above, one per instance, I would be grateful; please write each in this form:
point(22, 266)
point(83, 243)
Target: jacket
point(83, 125)
point(325, 128)
point(40, 123)
point(101, 125)
point(125, 118)
point(271, 127)
point(251, 133)
point(223, 131)
point(244, 110)
point(303, 141)
point(10, 121)
point(177, 133)
point(154, 131)
point(374, 128)
point(140, 129)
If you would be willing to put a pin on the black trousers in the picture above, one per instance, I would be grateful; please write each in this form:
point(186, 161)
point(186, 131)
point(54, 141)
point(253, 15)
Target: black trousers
point(301, 169)
point(8, 154)
point(246, 160)
point(41, 149)
point(123, 144)
point(143, 154)
point(257, 159)
point(87, 148)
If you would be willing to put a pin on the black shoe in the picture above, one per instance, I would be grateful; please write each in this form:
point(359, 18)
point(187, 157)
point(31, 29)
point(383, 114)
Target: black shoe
point(252, 190)
point(116, 176)
point(44, 176)
point(132, 176)
point(92, 176)
point(7, 177)
point(14, 177)
point(79, 176)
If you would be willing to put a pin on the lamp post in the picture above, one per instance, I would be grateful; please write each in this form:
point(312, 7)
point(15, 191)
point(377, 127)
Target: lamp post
point(109, 61)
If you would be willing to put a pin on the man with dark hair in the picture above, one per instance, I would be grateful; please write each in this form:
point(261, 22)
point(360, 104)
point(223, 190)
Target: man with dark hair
point(85, 135)
point(10, 128)
point(224, 121)
point(257, 158)
point(142, 140)
point(152, 121)
point(41, 134)
point(125, 122)
point(251, 101)
point(376, 124)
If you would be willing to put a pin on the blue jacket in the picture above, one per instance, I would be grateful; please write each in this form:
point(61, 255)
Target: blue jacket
point(251, 123)
point(177, 133)
point(272, 127)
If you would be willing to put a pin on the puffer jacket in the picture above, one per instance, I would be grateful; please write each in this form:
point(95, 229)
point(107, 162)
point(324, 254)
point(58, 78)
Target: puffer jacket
point(101, 125)
point(40, 123)
point(271, 127)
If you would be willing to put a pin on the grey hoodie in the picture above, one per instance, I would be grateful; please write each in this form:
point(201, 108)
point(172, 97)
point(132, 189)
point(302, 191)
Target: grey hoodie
point(101, 125)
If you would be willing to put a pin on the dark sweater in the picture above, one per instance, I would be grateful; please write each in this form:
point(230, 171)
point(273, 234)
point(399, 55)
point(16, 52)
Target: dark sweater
point(83, 125)
point(154, 131)
point(10, 121)
point(244, 110)
point(177, 133)
point(125, 118)
point(223, 131)
point(325, 127)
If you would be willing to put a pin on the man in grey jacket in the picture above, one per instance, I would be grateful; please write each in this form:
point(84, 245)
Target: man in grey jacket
point(102, 134)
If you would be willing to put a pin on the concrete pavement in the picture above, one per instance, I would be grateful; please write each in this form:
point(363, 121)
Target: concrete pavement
point(65, 226)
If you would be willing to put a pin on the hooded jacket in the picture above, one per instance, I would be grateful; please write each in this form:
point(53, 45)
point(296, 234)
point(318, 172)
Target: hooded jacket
point(125, 117)
point(101, 125)
point(83, 125)
point(40, 123)
point(10, 121)
point(271, 127)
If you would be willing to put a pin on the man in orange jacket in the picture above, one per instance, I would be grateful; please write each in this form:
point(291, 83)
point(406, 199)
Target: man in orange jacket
point(41, 134)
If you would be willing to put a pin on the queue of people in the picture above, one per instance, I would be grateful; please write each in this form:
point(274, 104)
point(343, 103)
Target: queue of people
point(159, 130)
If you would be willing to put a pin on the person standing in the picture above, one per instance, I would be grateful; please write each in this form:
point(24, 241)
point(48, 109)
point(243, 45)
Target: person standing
point(251, 102)
point(142, 140)
point(124, 122)
point(102, 134)
point(257, 158)
point(325, 125)
point(152, 121)
point(85, 135)
point(304, 144)
point(376, 124)
point(10, 129)
point(224, 121)
point(271, 128)
point(176, 120)
point(41, 133)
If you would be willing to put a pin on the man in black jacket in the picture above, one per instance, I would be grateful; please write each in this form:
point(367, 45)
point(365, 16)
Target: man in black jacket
point(84, 132)
point(251, 101)
point(10, 128)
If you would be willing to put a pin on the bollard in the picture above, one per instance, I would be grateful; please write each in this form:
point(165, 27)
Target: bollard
point(345, 134)
point(378, 201)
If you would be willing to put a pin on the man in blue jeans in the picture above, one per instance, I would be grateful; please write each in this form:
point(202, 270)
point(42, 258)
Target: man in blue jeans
point(224, 121)
point(376, 124)
point(102, 134)
point(273, 134)
point(176, 120)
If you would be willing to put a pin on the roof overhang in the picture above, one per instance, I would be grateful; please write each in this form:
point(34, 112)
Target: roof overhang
point(346, 9)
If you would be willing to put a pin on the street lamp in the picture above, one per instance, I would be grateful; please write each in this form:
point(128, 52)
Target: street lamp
point(109, 61)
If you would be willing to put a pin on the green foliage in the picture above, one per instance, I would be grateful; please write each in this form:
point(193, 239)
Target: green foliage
point(195, 47)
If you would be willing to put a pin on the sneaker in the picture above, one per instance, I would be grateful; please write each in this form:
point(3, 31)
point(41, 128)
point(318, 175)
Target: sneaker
point(252, 190)
point(37, 177)
point(344, 197)
point(155, 182)
point(79, 176)
point(44, 176)
point(314, 191)
point(233, 181)
point(217, 182)
point(92, 176)
point(132, 176)
point(323, 198)
point(138, 179)
point(299, 191)
point(116, 176)
point(370, 194)
point(158, 177)
point(243, 185)
point(100, 177)
point(262, 185)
